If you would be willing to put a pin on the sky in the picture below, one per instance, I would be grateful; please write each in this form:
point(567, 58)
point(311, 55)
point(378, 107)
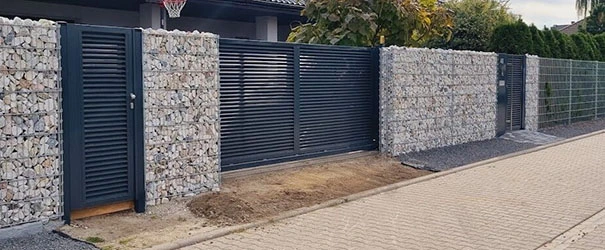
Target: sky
point(545, 12)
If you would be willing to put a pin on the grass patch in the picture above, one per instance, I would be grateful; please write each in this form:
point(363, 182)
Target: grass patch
point(125, 241)
point(95, 239)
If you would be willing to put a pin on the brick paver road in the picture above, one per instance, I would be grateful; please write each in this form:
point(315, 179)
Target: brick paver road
point(518, 203)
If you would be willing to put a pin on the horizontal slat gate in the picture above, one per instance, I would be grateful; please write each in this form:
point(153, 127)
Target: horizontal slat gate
point(335, 98)
point(100, 133)
point(105, 84)
point(282, 101)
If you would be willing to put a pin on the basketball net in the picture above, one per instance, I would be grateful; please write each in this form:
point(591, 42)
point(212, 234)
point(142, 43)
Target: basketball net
point(174, 7)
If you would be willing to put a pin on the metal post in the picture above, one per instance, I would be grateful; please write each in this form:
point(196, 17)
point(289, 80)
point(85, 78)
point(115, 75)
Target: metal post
point(596, 92)
point(570, 92)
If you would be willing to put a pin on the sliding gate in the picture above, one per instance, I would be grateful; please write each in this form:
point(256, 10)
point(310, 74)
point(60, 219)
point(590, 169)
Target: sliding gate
point(282, 101)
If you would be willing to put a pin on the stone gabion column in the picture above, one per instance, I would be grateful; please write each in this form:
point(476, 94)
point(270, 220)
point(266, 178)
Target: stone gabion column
point(435, 98)
point(532, 92)
point(31, 176)
point(182, 126)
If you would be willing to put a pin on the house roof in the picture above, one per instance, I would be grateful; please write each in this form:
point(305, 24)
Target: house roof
point(570, 28)
point(286, 2)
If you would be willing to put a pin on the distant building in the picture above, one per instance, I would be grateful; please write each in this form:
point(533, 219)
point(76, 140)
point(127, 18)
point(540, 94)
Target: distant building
point(570, 29)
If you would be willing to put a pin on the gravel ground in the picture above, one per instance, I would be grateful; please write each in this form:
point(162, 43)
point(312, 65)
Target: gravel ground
point(440, 159)
point(568, 131)
point(43, 241)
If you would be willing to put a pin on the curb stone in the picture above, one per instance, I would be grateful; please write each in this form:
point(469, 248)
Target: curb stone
point(334, 202)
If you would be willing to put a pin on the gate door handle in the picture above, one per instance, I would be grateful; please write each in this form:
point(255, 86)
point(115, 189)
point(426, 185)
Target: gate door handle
point(132, 96)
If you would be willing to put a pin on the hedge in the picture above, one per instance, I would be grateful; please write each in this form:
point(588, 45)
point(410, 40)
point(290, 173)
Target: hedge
point(518, 38)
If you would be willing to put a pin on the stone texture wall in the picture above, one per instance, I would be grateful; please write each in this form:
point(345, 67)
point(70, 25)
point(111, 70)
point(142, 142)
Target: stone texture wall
point(532, 92)
point(30, 122)
point(181, 93)
point(435, 98)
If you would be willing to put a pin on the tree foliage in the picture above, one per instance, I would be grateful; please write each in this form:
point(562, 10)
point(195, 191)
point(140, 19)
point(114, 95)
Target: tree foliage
point(512, 38)
point(585, 6)
point(595, 23)
point(518, 38)
point(538, 46)
point(362, 22)
point(474, 23)
point(584, 46)
point(553, 44)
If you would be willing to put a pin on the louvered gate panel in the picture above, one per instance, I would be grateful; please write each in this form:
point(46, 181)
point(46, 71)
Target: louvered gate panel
point(285, 101)
point(105, 84)
point(515, 88)
point(101, 139)
point(257, 101)
point(336, 98)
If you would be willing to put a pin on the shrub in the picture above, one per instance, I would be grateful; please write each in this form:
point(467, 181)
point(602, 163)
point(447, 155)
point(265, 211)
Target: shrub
point(552, 43)
point(538, 46)
point(512, 38)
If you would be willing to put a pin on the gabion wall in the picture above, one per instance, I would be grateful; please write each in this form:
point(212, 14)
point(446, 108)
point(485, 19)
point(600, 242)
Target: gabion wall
point(181, 93)
point(532, 84)
point(30, 122)
point(435, 98)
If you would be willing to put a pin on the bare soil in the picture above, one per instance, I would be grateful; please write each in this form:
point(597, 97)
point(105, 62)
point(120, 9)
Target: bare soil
point(242, 200)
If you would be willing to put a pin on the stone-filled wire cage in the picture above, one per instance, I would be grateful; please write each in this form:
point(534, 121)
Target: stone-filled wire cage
point(31, 177)
point(570, 91)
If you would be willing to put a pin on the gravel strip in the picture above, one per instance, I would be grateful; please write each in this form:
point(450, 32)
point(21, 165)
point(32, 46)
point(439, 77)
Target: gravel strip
point(44, 241)
point(445, 158)
point(576, 129)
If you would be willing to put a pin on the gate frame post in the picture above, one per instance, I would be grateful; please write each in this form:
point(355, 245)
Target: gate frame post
point(501, 95)
point(375, 57)
point(524, 91)
point(64, 41)
point(140, 199)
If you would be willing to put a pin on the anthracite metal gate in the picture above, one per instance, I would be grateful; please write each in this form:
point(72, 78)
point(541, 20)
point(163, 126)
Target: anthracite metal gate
point(282, 101)
point(513, 72)
point(103, 113)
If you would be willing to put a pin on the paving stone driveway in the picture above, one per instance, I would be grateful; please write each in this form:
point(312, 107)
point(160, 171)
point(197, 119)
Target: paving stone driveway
point(517, 203)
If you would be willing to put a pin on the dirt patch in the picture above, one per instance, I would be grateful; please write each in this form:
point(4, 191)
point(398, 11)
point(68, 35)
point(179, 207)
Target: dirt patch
point(246, 199)
point(241, 200)
point(127, 230)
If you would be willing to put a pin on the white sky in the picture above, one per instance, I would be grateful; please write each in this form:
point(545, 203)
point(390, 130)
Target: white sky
point(545, 12)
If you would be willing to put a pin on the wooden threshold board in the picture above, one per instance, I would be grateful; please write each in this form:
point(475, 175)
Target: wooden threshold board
point(101, 210)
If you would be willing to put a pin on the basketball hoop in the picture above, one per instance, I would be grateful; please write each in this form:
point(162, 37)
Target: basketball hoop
point(174, 7)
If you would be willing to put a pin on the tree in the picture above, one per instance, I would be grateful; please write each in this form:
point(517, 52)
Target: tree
point(583, 47)
point(595, 23)
point(600, 41)
point(538, 46)
point(584, 6)
point(474, 23)
point(592, 41)
point(512, 38)
point(363, 22)
point(566, 45)
point(552, 43)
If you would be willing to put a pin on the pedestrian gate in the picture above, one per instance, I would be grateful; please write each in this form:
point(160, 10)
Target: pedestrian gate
point(103, 113)
point(512, 74)
point(282, 101)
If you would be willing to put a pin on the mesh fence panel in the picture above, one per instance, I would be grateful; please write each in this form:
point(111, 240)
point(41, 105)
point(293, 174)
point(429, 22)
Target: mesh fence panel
point(570, 91)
